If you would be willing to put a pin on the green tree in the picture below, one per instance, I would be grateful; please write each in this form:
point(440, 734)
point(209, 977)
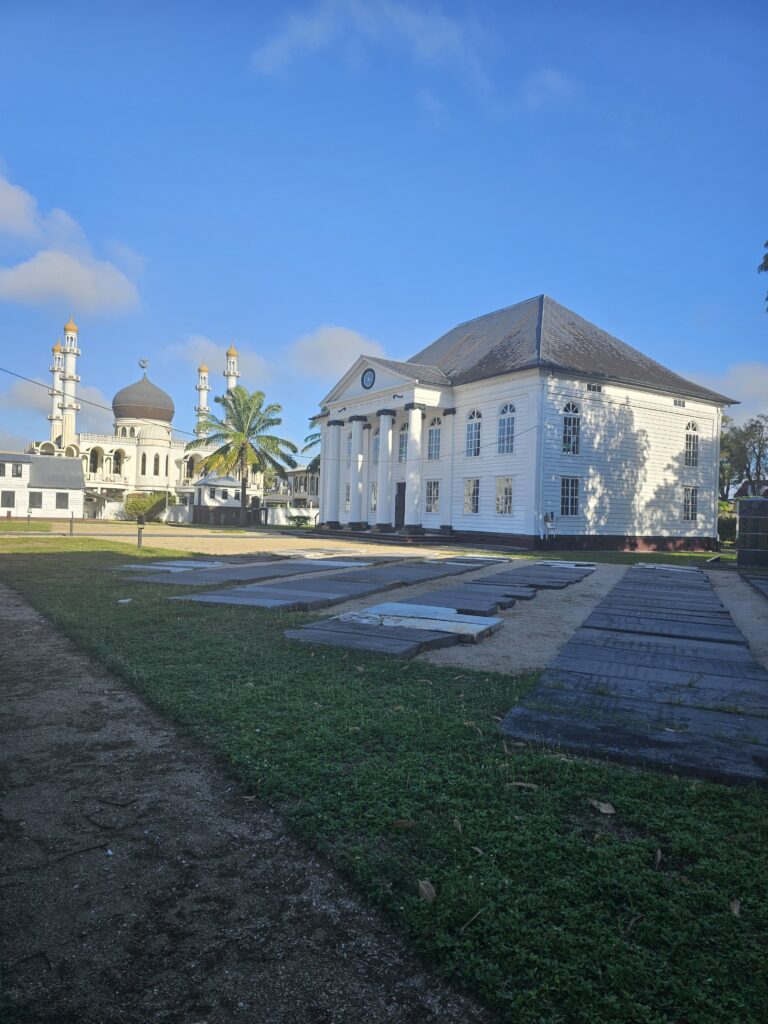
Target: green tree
point(754, 439)
point(243, 439)
point(312, 441)
point(732, 457)
point(763, 269)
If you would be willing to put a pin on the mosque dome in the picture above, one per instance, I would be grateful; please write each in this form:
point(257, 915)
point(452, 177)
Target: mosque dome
point(153, 432)
point(143, 401)
point(232, 351)
point(71, 327)
point(57, 346)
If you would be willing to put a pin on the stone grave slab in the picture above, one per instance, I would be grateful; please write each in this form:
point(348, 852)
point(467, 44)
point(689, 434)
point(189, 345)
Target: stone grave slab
point(398, 642)
point(465, 600)
point(468, 628)
point(248, 571)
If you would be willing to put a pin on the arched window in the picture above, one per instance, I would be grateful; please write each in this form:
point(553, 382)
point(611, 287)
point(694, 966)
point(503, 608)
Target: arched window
point(132, 432)
point(166, 465)
point(117, 462)
point(124, 432)
point(402, 447)
point(375, 445)
point(143, 462)
point(473, 432)
point(433, 439)
point(156, 465)
point(691, 444)
point(191, 466)
point(506, 429)
point(571, 429)
point(94, 461)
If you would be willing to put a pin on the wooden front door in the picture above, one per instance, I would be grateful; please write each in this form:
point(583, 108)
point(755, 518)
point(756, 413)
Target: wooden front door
point(399, 506)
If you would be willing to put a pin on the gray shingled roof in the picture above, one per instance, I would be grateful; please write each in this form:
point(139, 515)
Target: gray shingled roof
point(56, 471)
point(540, 333)
point(423, 374)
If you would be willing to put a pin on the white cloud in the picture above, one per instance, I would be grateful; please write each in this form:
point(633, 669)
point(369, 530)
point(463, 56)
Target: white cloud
point(330, 351)
point(746, 382)
point(28, 396)
point(255, 371)
point(544, 88)
point(55, 276)
point(427, 34)
point(63, 268)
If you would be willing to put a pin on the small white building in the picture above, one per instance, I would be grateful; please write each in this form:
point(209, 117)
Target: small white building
point(40, 487)
point(525, 424)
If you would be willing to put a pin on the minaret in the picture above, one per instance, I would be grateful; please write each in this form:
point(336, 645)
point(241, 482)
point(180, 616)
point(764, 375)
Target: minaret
point(203, 387)
point(56, 368)
point(69, 379)
point(231, 373)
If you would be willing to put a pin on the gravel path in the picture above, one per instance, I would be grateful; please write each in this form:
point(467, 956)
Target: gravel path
point(749, 610)
point(140, 885)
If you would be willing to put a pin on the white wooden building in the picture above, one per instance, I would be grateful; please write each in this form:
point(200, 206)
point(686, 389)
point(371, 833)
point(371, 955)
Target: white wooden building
point(40, 487)
point(529, 423)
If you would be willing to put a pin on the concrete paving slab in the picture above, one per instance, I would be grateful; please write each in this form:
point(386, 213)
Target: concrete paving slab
point(468, 629)
point(464, 600)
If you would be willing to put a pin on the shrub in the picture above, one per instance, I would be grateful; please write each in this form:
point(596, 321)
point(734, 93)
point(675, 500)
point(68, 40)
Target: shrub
point(300, 520)
point(726, 527)
point(151, 506)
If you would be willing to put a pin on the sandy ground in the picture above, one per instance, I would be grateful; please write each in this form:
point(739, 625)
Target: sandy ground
point(140, 884)
point(226, 542)
point(534, 631)
point(748, 609)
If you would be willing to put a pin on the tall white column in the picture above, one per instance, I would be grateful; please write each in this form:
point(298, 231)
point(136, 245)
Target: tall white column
point(384, 476)
point(56, 368)
point(367, 433)
point(69, 380)
point(333, 471)
point(412, 522)
point(356, 473)
point(447, 449)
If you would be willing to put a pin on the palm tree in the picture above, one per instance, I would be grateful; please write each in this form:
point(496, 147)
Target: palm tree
point(242, 439)
point(312, 441)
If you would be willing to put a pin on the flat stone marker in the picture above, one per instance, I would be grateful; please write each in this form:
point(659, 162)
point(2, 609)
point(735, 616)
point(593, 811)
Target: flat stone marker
point(467, 628)
point(249, 571)
point(658, 675)
point(398, 642)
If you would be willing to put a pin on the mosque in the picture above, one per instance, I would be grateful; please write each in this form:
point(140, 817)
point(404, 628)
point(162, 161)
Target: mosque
point(141, 455)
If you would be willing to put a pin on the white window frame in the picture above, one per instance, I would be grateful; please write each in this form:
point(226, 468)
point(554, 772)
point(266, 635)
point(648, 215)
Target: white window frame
point(433, 439)
point(571, 429)
point(472, 496)
point(432, 496)
point(690, 504)
point(402, 443)
point(506, 431)
point(570, 496)
point(473, 433)
point(504, 491)
point(597, 388)
point(691, 445)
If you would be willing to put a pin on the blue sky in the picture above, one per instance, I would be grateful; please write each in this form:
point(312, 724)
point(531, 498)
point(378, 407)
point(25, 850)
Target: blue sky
point(320, 179)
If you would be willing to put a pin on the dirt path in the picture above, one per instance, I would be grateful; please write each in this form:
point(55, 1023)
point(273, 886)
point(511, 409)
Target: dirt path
point(749, 610)
point(139, 885)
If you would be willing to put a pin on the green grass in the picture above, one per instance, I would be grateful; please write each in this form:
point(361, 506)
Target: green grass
point(21, 526)
point(548, 910)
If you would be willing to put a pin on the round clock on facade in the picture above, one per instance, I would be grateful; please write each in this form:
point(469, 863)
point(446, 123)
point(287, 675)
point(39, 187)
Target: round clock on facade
point(368, 379)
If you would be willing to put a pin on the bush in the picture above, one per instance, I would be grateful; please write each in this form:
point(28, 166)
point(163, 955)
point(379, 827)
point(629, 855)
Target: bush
point(151, 506)
point(299, 520)
point(726, 527)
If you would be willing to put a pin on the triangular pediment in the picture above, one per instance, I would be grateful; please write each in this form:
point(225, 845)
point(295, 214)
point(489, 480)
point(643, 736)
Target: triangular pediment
point(368, 376)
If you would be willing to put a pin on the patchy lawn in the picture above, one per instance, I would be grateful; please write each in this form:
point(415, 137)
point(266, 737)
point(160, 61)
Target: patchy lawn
point(22, 526)
point(547, 908)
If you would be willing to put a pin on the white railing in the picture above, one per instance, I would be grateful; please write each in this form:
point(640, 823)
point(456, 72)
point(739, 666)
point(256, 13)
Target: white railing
point(112, 439)
point(106, 478)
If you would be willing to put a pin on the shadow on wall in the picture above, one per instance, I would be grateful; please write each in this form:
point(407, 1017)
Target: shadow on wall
point(616, 473)
point(667, 504)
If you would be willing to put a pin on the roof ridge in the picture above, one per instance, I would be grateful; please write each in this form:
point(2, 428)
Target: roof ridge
point(501, 309)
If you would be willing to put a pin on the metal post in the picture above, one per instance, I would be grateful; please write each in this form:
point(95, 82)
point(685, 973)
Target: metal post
point(71, 524)
point(139, 532)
